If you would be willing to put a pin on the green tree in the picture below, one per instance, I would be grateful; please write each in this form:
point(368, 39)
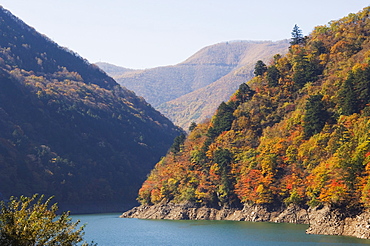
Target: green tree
point(305, 69)
point(29, 221)
point(319, 47)
point(315, 117)
point(297, 36)
point(192, 126)
point(178, 143)
point(223, 118)
point(354, 95)
point(223, 157)
point(244, 94)
point(362, 86)
point(222, 121)
point(347, 97)
point(272, 76)
point(260, 68)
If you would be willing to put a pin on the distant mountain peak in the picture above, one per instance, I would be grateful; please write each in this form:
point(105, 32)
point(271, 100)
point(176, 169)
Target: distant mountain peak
point(192, 90)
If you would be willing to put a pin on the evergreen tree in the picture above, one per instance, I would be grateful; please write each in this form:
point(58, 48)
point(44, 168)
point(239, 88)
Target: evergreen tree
point(223, 119)
point(362, 86)
point(260, 68)
point(297, 36)
point(305, 70)
point(347, 97)
point(177, 143)
point(354, 95)
point(272, 76)
point(192, 126)
point(244, 94)
point(319, 47)
point(223, 158)
point(315, 117)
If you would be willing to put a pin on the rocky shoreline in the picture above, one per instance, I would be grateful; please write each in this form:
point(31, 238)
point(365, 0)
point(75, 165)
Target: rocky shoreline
point(321, 220)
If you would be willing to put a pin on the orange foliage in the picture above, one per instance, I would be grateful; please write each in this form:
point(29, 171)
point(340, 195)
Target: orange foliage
point(271, 159)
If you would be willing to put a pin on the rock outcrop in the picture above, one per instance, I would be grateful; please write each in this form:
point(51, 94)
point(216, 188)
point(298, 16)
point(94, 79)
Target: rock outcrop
point(321, 220)
point(330, 221)
point(255, 213)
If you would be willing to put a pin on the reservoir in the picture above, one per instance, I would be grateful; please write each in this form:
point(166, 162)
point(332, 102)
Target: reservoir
point(109, 229)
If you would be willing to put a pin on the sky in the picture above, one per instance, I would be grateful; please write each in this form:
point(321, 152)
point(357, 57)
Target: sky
point(150, 33)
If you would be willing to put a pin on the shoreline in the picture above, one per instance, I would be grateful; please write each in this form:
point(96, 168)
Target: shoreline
point(321, 220)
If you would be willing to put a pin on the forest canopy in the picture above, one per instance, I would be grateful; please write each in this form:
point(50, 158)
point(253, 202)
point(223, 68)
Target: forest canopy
point(68, 129)
point(297, 133)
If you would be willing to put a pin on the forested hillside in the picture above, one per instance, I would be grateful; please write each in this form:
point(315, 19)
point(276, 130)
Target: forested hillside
point(192, 90)
point(297, 133)
point(69, 130)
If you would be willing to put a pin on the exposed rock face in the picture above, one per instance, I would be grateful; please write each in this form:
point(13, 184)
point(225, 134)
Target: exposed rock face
point(333, 222)
point(322, 220)
point(171, 211)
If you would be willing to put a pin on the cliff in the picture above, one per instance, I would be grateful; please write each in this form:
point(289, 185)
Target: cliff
point(321, 220)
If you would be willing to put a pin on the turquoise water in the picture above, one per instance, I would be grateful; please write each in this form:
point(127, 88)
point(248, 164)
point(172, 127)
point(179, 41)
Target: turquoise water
point(109, 229)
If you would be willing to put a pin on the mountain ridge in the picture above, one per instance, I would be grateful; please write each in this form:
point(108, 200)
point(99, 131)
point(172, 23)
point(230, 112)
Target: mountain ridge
point(68, 129)
point(164, 86)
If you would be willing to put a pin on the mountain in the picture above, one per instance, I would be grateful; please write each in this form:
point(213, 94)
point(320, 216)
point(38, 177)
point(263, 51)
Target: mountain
point(192, 90)
point(113, 70)
point(68, 129)
point(296, 135)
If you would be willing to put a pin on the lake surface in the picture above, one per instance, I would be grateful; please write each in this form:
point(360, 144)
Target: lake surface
point(109, 229)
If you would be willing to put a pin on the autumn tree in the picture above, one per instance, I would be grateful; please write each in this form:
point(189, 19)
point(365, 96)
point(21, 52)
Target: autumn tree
point(29, 221)
point(303, 142)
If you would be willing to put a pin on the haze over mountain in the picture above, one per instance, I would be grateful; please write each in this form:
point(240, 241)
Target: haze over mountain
point(68, 129)
point(192, 90)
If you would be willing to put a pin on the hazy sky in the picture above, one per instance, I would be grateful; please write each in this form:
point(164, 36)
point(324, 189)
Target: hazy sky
point(151, 33)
